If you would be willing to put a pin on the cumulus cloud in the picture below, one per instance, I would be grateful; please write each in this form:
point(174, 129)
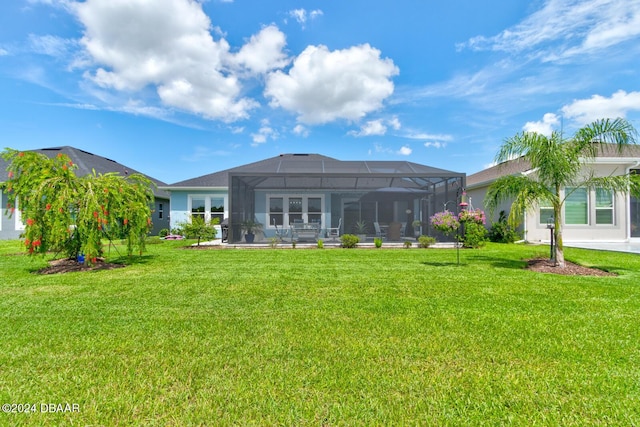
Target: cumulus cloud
point(584, 111)
point(544, 126)
point(579, 26)
point(171, 48)
point(376, 127)
point(265, 132)
point(323, 86)
point(264, 51)
point(405, 150)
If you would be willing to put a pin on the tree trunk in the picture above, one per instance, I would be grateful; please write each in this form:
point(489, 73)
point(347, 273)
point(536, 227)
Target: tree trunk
point(559, 251)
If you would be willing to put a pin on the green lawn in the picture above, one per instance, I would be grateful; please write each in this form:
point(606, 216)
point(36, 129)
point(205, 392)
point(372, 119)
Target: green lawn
point(311, 337)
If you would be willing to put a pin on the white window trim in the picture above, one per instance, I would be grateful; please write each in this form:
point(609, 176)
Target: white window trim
point(285, 207)
point(207, 204)
point(19, 225)
point(612, 209)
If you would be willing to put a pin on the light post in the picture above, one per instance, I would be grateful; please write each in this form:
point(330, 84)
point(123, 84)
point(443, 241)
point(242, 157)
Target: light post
point(551, 225)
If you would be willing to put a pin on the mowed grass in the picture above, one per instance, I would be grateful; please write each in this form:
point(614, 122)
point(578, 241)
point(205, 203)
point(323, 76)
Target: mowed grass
point(311, 337)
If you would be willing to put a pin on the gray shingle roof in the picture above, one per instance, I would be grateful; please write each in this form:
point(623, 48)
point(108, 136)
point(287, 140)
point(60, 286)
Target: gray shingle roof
point(519, 165)
point(87, 162)
point(315, 164)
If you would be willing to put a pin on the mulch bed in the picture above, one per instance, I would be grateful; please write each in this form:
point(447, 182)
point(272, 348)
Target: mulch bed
point(544, 265)
point(68, 265)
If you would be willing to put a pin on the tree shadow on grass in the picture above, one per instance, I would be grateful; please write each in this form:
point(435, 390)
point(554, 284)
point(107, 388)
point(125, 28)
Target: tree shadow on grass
point(444, 264)
point(495, 262)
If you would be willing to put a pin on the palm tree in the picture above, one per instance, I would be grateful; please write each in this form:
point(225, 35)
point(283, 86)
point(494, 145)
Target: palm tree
point(557, 164)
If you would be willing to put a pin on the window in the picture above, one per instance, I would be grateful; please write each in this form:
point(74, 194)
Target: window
point(198, 207)
point(576, 206)
point(160, 211)
point(276, 211)
point(208, 207)
point(287, 210)
point(217, 208)
point(604, 206)
point(546, 211)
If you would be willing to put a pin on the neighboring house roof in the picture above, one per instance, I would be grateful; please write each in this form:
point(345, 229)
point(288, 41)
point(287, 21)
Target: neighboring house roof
point(512, 167)
point(312, 164)
point(87, 163)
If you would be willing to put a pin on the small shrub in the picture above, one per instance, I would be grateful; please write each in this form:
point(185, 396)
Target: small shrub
point(475, 235)
point(349, 240)
point(407, 244)
point(502, 232)
point(273, 242)
point(163, 233)
point(426, 241)
point(153, 240)
point(378, 242)
point(320, 244)
point(293, 244)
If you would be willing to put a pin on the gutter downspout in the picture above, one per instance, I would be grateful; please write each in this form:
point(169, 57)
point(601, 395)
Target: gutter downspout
point(628, 210)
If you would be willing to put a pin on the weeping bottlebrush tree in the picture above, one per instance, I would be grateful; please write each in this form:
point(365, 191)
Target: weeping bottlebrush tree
point(66, 213)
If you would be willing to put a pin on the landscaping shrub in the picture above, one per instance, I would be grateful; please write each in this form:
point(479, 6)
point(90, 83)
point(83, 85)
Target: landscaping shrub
point(349, 240)
point(378, 242)
point(475, 235)
point(502, 232)
point(426, 241)
point(163, 233)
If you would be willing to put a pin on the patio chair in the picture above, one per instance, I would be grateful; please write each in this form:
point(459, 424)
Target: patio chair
point(281, 232)
point(403, 229)
point(379, 232)
point(333, 232)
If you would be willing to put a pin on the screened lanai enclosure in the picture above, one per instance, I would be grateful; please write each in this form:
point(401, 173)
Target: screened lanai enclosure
point(357, 197)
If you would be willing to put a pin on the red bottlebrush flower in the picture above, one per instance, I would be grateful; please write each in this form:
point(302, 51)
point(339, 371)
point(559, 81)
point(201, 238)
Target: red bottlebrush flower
point(30, 221)
point(64, 167)
point(70, 163)
point(10, 174)
point(60, 210)
point(37, 242)
point(99, 226)
point(48, 207)
point(95, 214)
point(126, 221)
point(59, 155)
point(21, 154)
point(148, 221)
point(94, 259)
point(27, 242)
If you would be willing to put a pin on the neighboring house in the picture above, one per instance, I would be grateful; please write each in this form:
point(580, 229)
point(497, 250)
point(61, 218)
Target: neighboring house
point(11, 228)
point(314, 189)
point(590, 214)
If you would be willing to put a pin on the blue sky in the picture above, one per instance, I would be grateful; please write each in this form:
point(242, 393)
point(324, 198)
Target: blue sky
point(182, 88)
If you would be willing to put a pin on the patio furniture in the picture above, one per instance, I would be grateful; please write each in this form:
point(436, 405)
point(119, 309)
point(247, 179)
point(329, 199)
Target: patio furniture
point(393, 233)
point(305, 231)
point(380, 232)
point(333, 232)
point(281, 233)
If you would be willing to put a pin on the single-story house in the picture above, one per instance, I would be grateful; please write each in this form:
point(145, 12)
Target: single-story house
point(316, 190)
point(12, 227)
point(590, 214)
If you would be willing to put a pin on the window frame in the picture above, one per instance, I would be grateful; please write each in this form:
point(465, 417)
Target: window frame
point(570, 191)
point(611, 208)
point(304, 214)
point(207, 214)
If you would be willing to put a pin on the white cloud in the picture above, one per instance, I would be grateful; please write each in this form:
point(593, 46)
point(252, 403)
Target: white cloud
point(435, 144)
point(395, 123)
point(585, 111)
point(265, 132)
point(564, 28)
point(301, 131)
point(51, 45)
point(301, 15)
point(543, 127)
point(264, 51)
point(373, 127)
point(323, 86)
point(405, 150)
point(432, 136)
point(171, 49)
